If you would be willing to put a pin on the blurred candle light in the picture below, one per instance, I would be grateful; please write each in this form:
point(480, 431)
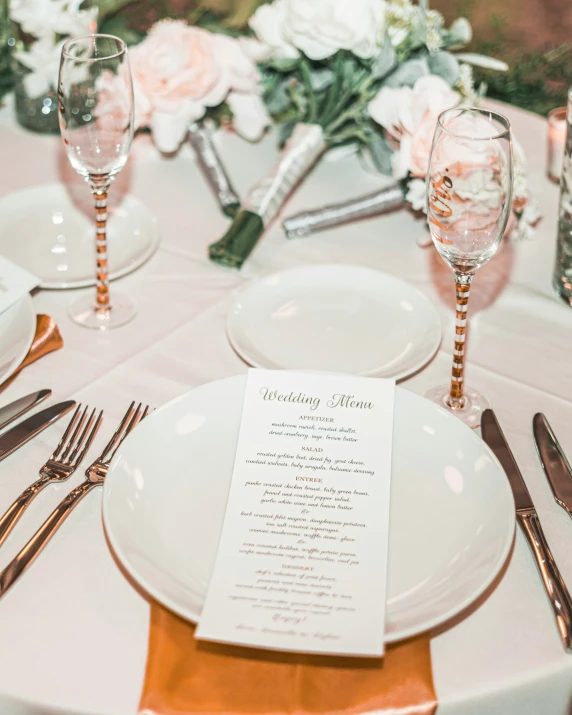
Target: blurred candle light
point(556, 141)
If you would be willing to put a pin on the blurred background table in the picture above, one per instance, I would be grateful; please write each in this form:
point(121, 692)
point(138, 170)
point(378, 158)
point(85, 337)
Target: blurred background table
point(74, 630)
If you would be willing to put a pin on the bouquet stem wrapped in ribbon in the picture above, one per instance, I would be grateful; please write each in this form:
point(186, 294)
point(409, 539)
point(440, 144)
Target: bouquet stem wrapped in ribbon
point(372, 72)
point(264, 201)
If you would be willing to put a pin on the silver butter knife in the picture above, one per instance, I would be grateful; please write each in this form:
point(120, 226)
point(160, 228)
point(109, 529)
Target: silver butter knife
point(553, 462)
point(23, 432)
point(16, 409)
point(530, 525)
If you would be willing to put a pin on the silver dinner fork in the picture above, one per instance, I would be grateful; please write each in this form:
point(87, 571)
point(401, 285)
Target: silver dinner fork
point(60, 466)
point(95, 476)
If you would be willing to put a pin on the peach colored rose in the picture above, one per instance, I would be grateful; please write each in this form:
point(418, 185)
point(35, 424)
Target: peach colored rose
point(409, 116)
point(182, 70)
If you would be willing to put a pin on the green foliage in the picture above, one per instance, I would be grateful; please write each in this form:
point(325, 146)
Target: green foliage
point(537, 82)
point(6, 77)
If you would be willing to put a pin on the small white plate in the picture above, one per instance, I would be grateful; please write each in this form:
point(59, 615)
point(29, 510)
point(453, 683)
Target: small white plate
point(17, 330)
point(50, 231)
point(452, 511)
point(336, 318)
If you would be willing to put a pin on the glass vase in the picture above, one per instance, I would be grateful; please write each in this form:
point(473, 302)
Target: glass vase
point(39, 114)
point(562, 279)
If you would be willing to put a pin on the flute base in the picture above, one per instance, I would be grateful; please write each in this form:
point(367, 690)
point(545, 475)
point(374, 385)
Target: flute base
point(82, 311)
point(473, 404)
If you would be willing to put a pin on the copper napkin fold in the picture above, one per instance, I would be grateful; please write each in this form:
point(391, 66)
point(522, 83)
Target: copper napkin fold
point(46, 340)
point(186, 676)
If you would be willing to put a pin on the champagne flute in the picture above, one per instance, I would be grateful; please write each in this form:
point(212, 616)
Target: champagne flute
point(469, 197)
point(95, 103)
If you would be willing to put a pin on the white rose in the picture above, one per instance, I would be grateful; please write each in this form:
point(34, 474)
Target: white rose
point(250, 117)
point(269, 24)
point(43, 61)
point(410, 117)
point(319, 28)
point(41, 18)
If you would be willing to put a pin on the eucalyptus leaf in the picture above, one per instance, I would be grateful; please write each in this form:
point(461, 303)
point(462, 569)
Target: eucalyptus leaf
point(385, 61)
point(298, 97)
point(321, 79)
point(278, 100)
point(408, 73)
point(285, 131)
point(444, 65)
point(418, 31)
point(381, 153)
point(284, 64)
point(459, 34)
point(489, 63)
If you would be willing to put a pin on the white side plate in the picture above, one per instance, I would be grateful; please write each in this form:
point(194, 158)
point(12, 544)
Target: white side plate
point(17, 330)
point(337, 318)
point(50, 231)
point(452, 511)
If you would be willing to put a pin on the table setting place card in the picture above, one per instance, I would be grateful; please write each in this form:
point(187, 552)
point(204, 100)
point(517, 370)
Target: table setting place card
point(302, 559)
point(15, 282)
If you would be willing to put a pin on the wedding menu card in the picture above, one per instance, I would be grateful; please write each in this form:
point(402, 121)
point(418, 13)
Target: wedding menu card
point(302, 558)
point(15, 282)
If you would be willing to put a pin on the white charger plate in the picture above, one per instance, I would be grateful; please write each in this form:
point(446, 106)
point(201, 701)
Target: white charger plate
point(452, 511)
point(337, 318)
point(50, 231)
point(17, 330)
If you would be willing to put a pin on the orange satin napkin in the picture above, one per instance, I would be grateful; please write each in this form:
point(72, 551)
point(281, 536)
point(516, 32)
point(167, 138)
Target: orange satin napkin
point(186, 676)
point(46, 340)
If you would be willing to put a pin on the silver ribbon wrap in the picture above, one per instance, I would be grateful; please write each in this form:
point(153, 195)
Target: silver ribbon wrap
point(302, 150)
point(213, 169)
point(380, 202)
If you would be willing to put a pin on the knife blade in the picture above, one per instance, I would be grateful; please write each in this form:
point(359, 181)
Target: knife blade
point(16, 409)
point(24, 431)
point(553, 462)
point(527, 517)
point(494, 437)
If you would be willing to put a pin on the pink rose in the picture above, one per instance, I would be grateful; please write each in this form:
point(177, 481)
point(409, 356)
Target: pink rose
point(182, 70)
point(410, 116)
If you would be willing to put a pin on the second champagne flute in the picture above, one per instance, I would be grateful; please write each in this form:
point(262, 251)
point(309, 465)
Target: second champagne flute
point(95, 103)
point(469, 199)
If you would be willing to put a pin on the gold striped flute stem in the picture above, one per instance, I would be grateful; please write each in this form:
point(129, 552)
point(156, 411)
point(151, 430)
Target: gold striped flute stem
point(100, 189)
point(463, 287)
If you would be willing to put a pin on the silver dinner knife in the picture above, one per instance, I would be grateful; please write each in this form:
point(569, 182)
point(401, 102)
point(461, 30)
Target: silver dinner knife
point(530, 525)
point(553, 462)
point(23, 432)
point(16, 409)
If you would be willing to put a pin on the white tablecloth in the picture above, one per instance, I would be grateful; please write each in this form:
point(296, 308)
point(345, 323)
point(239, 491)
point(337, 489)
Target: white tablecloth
point(74, 630)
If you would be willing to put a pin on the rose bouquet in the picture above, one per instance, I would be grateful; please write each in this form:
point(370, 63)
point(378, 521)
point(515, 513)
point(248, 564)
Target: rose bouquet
point(372, 72)
point(184, 75)
point(408, 116)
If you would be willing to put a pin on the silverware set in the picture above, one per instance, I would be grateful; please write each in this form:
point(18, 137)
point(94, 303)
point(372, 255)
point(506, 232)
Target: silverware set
point(63, 462)
point(559, 476)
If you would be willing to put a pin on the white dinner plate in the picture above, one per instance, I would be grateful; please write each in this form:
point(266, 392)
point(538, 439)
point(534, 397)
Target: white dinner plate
point(49, 230)
point(452, 512)
point(17, 330)
point(337, 318)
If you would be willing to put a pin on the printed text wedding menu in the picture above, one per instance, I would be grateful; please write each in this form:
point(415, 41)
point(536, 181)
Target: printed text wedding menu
point(302, 559)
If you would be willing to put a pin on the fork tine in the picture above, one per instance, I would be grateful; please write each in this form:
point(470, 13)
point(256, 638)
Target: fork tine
point(118, 431)
point(87, 445)
point(81, 440)
point(137, 417)
point(72, 439)
point(69, 428)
